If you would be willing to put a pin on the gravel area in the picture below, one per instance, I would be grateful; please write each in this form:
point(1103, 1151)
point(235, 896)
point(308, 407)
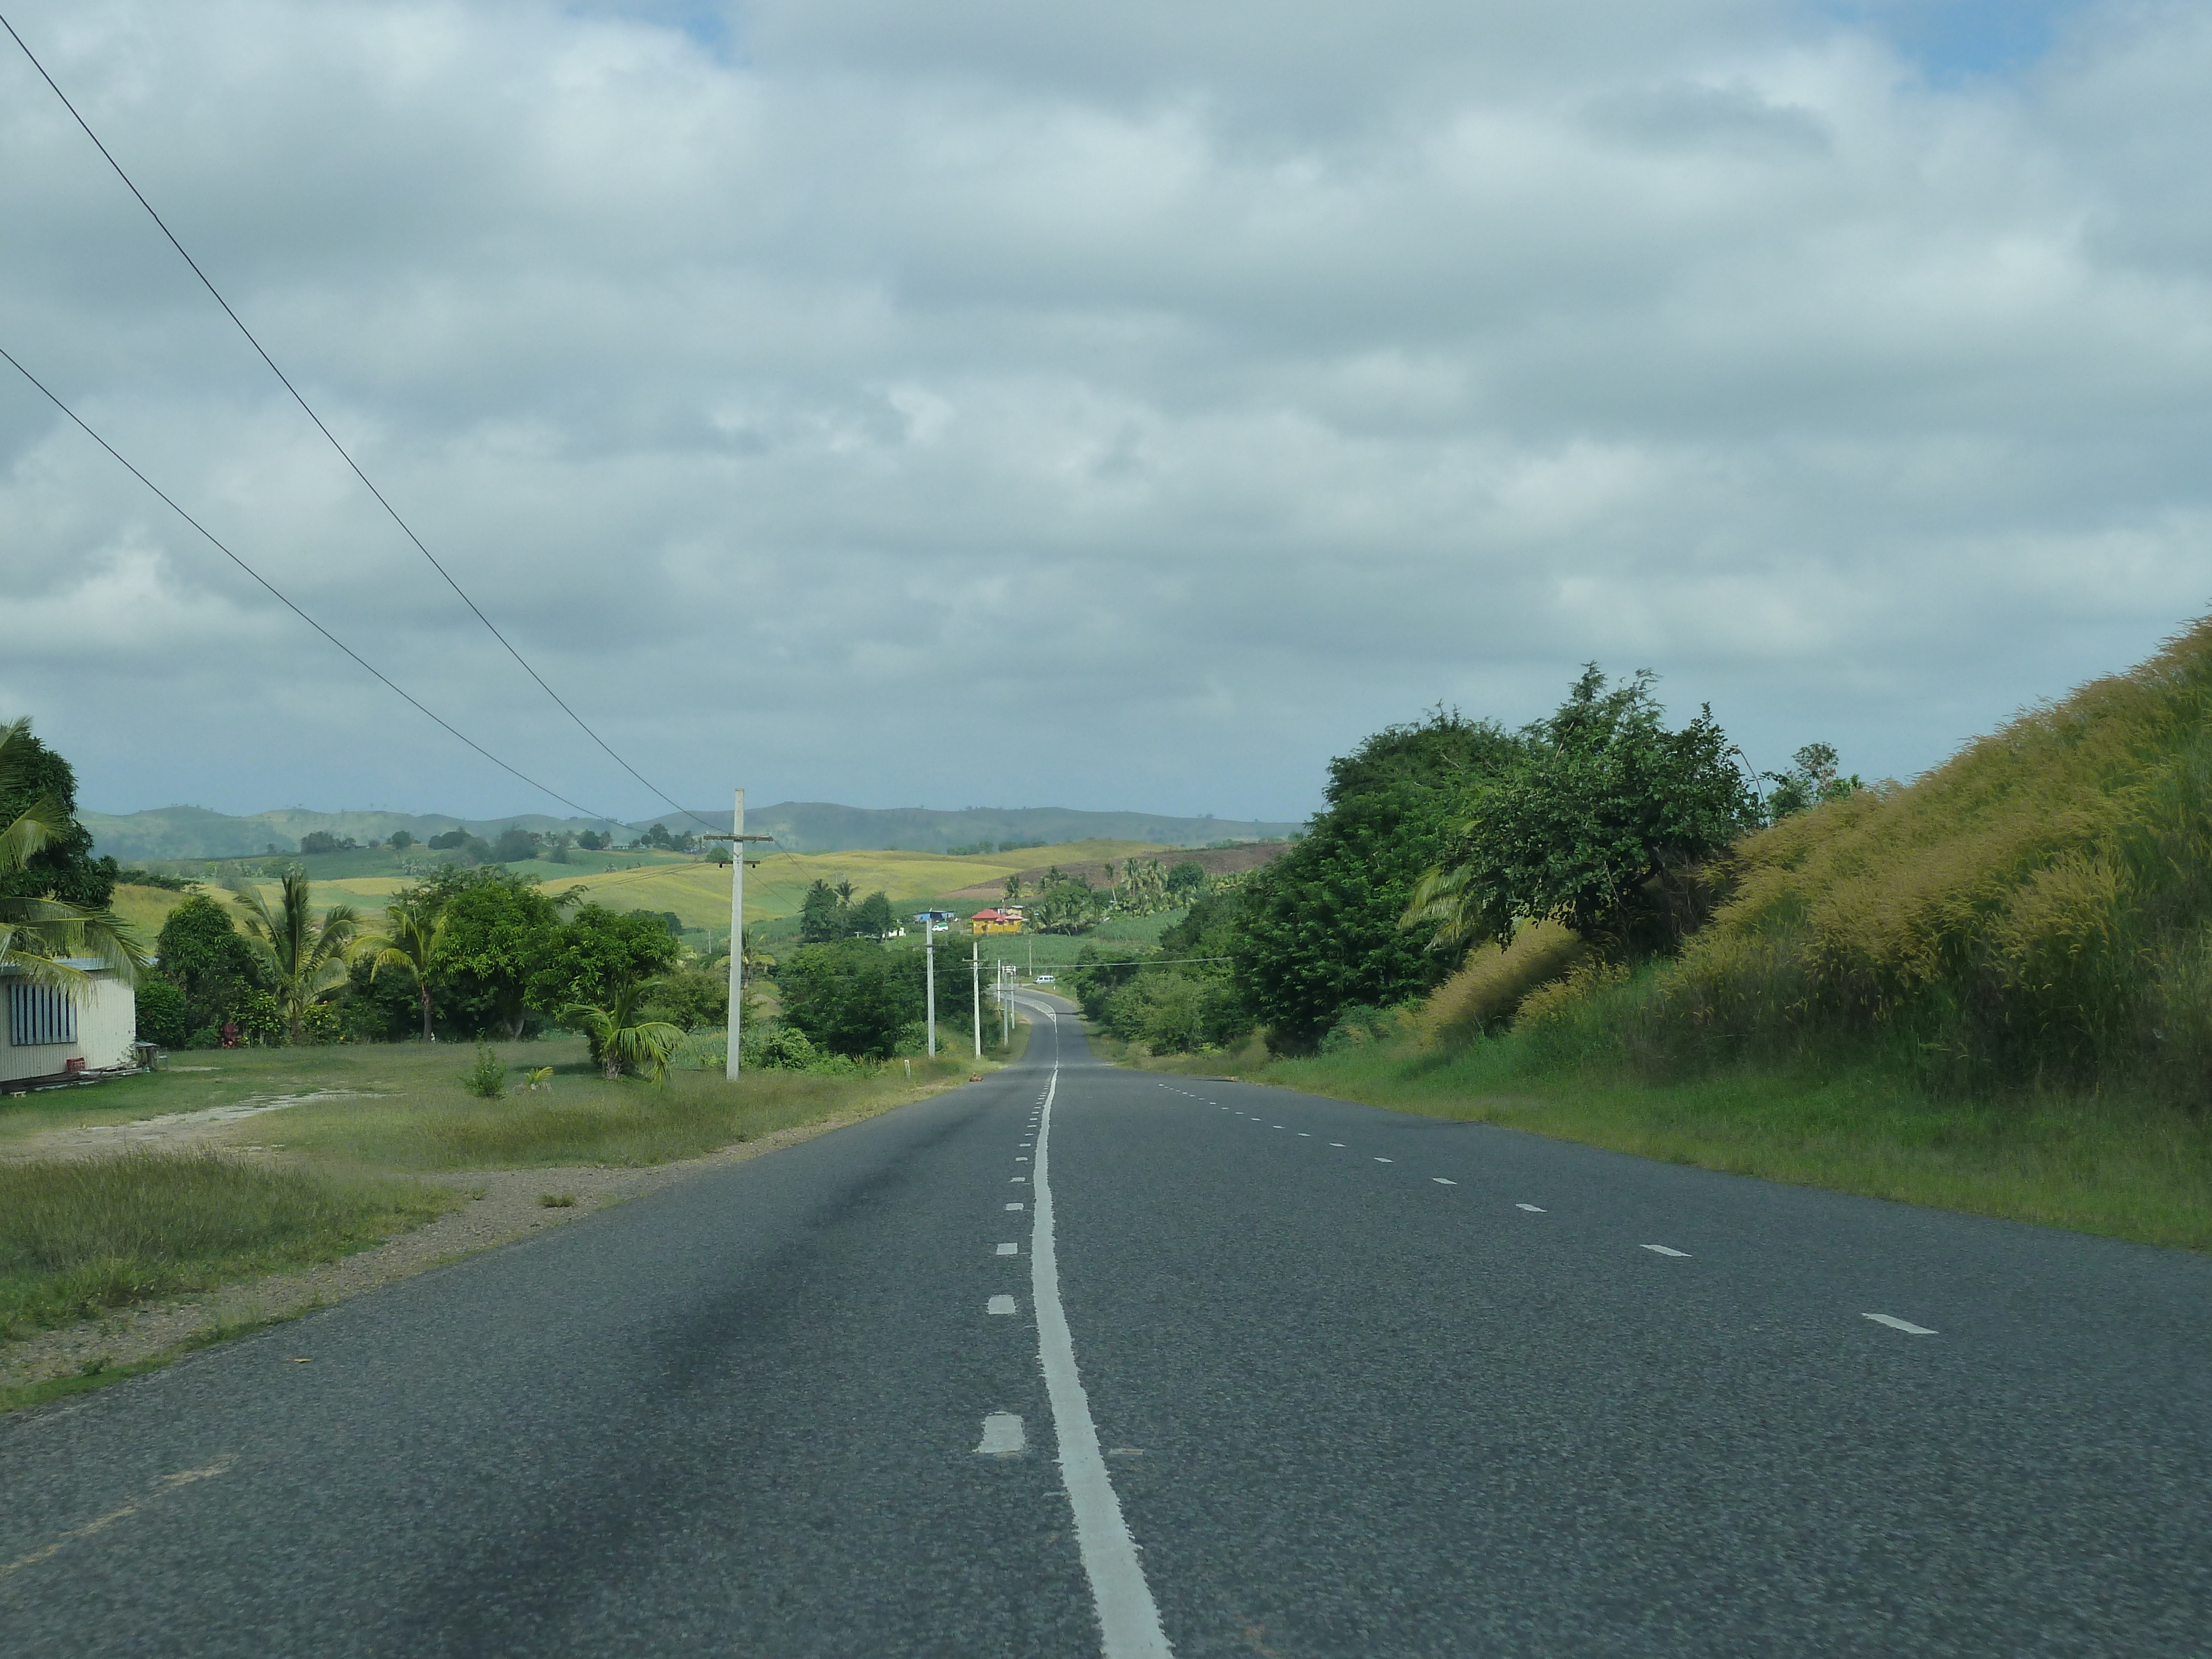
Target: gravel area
point(503, 1206)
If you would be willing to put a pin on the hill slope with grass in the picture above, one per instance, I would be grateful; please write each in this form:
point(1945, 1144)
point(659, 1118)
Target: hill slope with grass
point(1989, 990)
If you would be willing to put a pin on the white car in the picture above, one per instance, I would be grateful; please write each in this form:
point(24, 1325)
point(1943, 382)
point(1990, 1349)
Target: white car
point(1044, 979)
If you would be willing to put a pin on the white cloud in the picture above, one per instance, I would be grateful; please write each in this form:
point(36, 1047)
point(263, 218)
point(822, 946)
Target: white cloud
point(1128, 407)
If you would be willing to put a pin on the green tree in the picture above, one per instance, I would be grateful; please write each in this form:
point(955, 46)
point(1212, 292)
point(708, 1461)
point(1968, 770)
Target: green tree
point(1597, 827)
point(1319, 928)
point(691, 999)
point(514, 845)
point(620, 1040)
point(1186, 881)
point(872, 917)
point(1065, 904)
point(53, 895)
point(590, 958)
point(495, 931)
point(413, 932)
point(302, 957)
point(1811, 781)
point(401, 840)
point(208, 963)
point(853, 996)
point(821, 917)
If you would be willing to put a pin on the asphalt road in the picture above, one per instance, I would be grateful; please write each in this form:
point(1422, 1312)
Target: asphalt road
point(1277, 1375)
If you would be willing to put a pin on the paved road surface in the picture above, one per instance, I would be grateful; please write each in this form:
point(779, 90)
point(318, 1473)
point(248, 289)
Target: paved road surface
point(1279, 1376)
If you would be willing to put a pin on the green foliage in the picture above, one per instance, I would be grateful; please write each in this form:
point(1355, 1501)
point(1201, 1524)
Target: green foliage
point(856, 996)
point(691, 999)
point(1811, 781)
point(494, 930)
point(487, 1078)
point(1066, 904)
point(302, 958)
point(590, 958)
point(1186, 880)
point(1188, 1001)
point(53, 898)
point(1319, 927)
point(317, 841)
point(514, 845)
point(168, 884)
point(779, 1049)
point(827, 913)
point(402, 840)
point(1598, 824)
point(622, 1040)
point(413, 933)
point(205, 969)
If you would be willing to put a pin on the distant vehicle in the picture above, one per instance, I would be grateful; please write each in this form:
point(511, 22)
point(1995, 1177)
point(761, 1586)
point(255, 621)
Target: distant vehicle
point(1044, 979)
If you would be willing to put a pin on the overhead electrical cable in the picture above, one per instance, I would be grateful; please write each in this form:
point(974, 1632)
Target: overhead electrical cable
point(286, 601)
point(344, 453)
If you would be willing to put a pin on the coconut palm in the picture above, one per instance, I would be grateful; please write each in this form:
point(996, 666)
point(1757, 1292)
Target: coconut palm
point(620, 1040)
point(305, 959)
point(412, 933)
point(39, 935)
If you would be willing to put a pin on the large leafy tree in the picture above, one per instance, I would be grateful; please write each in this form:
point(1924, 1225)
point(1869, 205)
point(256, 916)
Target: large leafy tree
point(1597, 826)
point(1318, 929)
point(591, 957)
point(207, 967)
point(854, 997)
point(303, 957)
point(497, 930)
point(53, 894)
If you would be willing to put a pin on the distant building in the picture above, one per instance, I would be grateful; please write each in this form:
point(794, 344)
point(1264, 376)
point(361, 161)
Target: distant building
point(1007, 919)
point(48, 1033)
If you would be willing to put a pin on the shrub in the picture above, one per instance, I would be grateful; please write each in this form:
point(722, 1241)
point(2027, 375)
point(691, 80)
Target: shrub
point(487, 1079)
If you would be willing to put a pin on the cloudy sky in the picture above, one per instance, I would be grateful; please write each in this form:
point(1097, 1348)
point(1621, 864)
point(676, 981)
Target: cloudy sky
point(1109, 406)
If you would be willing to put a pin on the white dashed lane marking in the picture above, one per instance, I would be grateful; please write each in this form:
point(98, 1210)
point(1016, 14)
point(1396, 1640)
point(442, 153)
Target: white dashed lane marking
point(1014, 1206)
point(1897, 1324)
point(1010, 1249)
point(1002, 1436)
point(1531, 1208)
point(1001, 1304)
point(1441, 1181)
point(1385, 1160)
point(1661, 1250)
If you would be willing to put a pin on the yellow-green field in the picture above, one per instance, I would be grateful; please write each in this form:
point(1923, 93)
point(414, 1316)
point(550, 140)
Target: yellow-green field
point(699, 893)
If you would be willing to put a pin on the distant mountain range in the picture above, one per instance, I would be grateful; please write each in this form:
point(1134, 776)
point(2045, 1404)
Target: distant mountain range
point(194, 832)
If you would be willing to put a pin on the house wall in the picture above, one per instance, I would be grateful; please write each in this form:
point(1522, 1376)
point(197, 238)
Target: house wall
point(106, 1024)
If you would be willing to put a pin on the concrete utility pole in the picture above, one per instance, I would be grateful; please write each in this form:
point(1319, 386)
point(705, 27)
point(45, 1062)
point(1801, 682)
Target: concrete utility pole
point(929, 971)
point(737, 932)
point(737, 838)
point(975, 968)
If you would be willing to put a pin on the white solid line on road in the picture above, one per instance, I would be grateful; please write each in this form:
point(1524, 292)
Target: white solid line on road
point(1001, 1304)
point(1010, 1249)
point(1129, 1621)
point(1661, 1250)
point(1002, 1436)
point(1897, 1324)
point(1441, 1181)
point(1531, 1208)
point(1014, 1206)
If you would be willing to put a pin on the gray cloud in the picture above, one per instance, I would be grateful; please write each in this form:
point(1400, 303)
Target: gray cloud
point(1130, 408)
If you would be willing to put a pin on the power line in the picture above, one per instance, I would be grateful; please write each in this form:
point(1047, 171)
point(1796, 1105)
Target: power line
point(343, 455)
point(272, 587)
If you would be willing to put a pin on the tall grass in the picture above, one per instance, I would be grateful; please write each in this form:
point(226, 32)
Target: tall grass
point(2037, 912)
point(80, 1236)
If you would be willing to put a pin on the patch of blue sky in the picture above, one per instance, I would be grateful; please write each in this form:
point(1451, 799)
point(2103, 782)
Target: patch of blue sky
point(1954, 40)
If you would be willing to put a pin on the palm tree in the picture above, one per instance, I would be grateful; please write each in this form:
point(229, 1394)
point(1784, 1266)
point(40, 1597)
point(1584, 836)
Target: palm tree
point(620, 1040)
point(37, 935)
point(305, 959)
point(410, 940)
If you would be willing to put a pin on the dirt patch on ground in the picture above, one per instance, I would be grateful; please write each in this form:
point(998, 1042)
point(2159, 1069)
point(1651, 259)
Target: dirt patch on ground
point(170, 1130)
point(501, 1206)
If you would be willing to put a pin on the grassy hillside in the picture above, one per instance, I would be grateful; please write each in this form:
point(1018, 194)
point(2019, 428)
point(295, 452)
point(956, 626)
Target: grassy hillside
point(1990, 990)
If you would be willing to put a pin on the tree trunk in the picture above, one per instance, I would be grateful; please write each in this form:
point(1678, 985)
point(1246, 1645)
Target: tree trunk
point(427, 1037)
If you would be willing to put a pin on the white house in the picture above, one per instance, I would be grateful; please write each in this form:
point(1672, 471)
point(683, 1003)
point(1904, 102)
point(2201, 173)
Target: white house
point(45, 1032)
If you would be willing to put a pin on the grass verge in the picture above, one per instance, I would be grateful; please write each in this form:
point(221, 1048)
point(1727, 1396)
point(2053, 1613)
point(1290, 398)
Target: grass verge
point(2123, 1166)
point(81, 1235)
